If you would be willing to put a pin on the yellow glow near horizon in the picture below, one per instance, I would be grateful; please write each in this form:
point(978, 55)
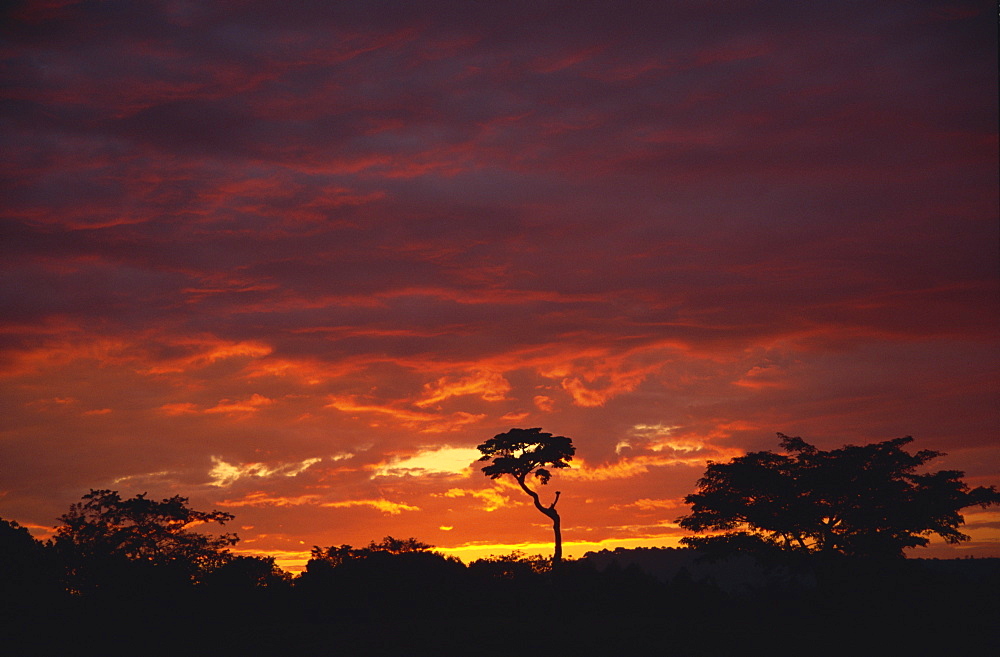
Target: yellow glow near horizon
point(295, 561)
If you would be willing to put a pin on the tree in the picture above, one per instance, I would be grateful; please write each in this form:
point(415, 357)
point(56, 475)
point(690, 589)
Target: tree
point(399, 545)
point(246, 573)
point(516, 565)
point(104, 538)
point(337, 555)
point(523, 452)
point(382, 578)
point(27, 571)
point(865, 501)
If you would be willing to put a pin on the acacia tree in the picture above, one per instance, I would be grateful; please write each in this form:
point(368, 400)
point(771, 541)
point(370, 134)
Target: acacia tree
point(523, 452)
point(864, 500)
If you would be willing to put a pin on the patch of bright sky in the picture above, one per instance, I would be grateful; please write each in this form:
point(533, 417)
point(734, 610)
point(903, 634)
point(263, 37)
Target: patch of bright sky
point(439, 460)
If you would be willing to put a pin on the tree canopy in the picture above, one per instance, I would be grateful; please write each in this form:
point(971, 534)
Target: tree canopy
point(524, 452)
point(867, 500)
point(104, 531)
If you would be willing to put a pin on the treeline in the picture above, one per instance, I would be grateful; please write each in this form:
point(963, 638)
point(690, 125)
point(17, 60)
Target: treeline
point(127, 577)
point(803, 554)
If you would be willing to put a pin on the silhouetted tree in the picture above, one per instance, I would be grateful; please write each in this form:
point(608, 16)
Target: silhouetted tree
point(27, 570)
point(523, 452)
point(386, 576)
point(337, 555)
point(105, 538)
point(246, 572)
point(515, 565)
point(857, 500)
point(398, 545)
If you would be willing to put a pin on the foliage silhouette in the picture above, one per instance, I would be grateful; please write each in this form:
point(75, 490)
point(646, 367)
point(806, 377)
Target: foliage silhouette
point(385, 577)
point(511, 566)
point(337, 555)
point(243, 573)
point(523, 452)
point(106, 541)
point(859, 501)
point(28, 573)
point(396, 597)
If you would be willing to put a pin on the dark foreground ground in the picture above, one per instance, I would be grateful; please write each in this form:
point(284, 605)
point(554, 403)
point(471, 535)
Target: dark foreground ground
point(623, 603)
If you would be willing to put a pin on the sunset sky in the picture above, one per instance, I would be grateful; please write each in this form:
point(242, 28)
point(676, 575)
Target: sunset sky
point(295, 260)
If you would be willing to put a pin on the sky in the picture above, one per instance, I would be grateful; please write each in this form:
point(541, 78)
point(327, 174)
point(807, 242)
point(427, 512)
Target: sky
point(296, 260)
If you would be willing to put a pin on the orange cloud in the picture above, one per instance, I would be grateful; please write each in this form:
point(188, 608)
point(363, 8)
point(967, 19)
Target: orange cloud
point(647, 504)
point(248, 405)
point(491, 498)
point(262, 499)
point(686, 452)
point(179, 408)
point(544, 403)
point(385, 506)
point(489, 386)
point(59, 353)
point(594, 376)
point(762, 377)
point(422, 422)
point(251, 404)
point(596, 388)
point(205, 352)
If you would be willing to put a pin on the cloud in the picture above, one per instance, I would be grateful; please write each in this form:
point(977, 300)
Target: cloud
point(385, 506)
point(423, 422)
point(262, 499)
point(134, 479)
point(437, 460)
point(491, 498)
point(225, 474)
point(251, 404)
point(490, 386)
point(544, 402)
point(179, 408)
point(646, 504)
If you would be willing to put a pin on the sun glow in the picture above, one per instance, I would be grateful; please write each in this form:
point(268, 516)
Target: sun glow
point(571, 549)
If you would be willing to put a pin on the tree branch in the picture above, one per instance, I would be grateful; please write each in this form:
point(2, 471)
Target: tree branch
point(548, 511)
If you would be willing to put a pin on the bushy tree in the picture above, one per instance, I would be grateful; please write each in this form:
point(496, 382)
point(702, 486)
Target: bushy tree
point(244, 572)
point(382, 577)
point(337, 555)
point(867, 500)
point(27, 570)
point(398, 545)
point(511, 566)
point(523, 452)
point(105, 539)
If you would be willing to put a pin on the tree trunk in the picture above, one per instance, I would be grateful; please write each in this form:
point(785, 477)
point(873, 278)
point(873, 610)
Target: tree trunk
point(553, 515)
point(556, 528)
